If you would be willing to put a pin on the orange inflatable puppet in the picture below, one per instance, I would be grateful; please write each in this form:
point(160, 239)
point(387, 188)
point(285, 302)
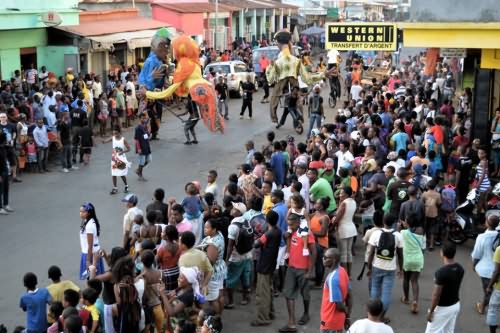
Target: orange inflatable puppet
point(188, 80)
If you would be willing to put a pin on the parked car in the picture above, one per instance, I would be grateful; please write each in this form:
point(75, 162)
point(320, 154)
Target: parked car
point(271, 53)
point(234, 73)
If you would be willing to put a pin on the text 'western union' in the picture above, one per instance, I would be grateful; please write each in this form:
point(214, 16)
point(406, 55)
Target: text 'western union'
point(361, 34)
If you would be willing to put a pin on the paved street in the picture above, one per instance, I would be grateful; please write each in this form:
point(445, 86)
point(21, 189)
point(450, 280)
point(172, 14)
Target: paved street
point(44, 229)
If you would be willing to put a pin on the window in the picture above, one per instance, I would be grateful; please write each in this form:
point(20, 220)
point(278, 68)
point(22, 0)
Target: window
point(240, 68)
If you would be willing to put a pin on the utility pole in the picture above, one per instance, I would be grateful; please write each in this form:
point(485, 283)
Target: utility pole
point(216, 22)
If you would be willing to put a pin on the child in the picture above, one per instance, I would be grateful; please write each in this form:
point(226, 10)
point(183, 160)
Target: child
point(55, 311)
point(86, 142)
point(89, 297)
point(99, 303)
point(432, 202)
point(112, 110)
point(31, 151)
point(266, 192)
point(103, 114)
point(297, 206)
point(129, 100)
point(34, 303)
point(193, 208)
point(212, 184)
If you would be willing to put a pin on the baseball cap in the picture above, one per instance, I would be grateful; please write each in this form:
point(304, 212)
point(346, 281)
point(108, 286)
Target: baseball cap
point(314, 131)
point(239, 206)
point(392, 155)
point(131, 198)
point(329, 164)
point(246, 167)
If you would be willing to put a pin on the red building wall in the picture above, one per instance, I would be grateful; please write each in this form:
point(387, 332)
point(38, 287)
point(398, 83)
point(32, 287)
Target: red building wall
point(189, 23)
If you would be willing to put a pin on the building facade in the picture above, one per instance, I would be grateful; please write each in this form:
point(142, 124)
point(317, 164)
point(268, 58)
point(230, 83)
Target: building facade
point(24, 35)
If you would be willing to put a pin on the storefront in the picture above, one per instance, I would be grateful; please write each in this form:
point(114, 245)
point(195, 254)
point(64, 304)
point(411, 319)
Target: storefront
point(482, 41)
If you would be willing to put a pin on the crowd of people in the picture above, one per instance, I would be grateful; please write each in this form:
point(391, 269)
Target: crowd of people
point(388, 170)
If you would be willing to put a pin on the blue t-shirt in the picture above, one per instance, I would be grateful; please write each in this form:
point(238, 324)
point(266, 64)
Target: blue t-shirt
point(99, 304)
point(192, 207)
point(146, 75)
point(278, 165)
point(400, 140)
point(281, 209)
point(35, 306)
point(142, 136)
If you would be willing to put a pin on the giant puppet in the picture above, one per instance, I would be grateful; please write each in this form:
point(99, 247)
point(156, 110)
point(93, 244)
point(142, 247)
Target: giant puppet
point(187, 80)
point(285, 70)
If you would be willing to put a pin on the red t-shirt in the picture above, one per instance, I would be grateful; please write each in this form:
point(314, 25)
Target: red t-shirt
point(335, 290)
point(297, 259)
point(438, 134)
point(316, 165)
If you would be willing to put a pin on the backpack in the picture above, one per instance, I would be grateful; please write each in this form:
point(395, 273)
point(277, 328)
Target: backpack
point(496, 242)
point(448, 199)
point(386, 247)
point(244, 243)
point(259, 225)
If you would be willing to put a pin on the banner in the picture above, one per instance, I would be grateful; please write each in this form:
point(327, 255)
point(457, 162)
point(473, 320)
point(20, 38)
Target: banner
point(361, 36)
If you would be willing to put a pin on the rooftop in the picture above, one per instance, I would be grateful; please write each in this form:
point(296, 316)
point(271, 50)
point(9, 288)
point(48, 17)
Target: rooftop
point(112, 26)
point(195, 7)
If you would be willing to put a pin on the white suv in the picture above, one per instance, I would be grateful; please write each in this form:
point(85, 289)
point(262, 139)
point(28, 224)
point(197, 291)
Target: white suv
point(234, 73)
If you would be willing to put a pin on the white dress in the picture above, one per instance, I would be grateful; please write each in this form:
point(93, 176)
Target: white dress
point(119, 162)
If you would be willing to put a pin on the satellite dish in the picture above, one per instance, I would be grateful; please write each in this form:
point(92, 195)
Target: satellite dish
point(51, 19)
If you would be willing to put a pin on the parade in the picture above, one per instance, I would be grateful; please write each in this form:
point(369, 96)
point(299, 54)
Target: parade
point(374, 209)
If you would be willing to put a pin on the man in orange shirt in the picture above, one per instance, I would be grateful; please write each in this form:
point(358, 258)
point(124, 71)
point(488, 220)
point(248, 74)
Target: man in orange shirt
point(225, 56)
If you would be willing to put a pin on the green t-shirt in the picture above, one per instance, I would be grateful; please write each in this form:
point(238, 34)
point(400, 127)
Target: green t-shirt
point(321, 189)
point(329, 178)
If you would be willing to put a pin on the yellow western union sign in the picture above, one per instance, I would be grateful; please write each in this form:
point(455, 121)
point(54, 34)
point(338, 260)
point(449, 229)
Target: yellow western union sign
point(361, 36)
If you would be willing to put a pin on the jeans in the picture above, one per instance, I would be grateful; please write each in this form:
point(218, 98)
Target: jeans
point(318, 265)
point(4, 190)
point(43, 154)
point(66, 156)
point(220, 103)
point(493, 307)
point(246, 103)
point(314, 117)
point(382, 283)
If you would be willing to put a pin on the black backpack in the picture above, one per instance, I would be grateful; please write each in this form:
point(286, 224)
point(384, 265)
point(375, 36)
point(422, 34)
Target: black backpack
point(386, 245)
point(496, 242)
point(244, 243)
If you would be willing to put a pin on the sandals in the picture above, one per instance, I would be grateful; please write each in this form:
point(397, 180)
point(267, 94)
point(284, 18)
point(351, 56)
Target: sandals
point(414, 308)
point(229, 306)
point(286, 329)
point(113, 191)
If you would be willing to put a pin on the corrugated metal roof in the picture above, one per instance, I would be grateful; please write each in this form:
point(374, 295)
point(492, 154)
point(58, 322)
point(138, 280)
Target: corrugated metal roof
point(195, 7)
point(98, 28)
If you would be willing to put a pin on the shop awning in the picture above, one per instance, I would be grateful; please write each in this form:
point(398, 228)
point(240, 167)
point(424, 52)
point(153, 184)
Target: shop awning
point(136, 31)
point(466, 35)
point(134, 39)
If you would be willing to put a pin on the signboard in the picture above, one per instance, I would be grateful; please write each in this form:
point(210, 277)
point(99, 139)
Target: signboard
point(453, 53)
point(332, 13)
point(361, 36)
point(51, 19)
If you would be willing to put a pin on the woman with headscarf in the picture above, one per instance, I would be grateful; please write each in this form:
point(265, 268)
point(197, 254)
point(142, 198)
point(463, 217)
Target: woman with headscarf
point(181, 304)
point(89, 241)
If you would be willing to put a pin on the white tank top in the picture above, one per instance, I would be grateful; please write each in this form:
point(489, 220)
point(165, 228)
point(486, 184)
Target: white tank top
point(347, 228)
point(119, 143)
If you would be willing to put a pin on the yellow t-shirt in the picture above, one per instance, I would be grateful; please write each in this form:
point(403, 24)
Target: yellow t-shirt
point(93, 311)
point(267, 205)
point(496, 260)
point(56, 290)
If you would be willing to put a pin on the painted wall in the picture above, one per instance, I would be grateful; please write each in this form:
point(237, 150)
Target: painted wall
point(38, 4)
point(53, 57)
point(463, 10)
point(32, 18)
point(190, 23)
point(10, 60)
point(13, 39)
point(144, 8)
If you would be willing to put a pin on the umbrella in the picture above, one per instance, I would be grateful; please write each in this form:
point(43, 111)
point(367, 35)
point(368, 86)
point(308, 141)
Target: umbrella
point(313, 31)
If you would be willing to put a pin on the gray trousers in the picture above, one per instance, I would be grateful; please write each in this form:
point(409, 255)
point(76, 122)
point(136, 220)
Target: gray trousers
point(221, 103)
point(264, 297)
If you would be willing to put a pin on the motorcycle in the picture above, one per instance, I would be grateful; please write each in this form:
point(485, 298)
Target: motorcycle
point(494, 202)
point(466, 224)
